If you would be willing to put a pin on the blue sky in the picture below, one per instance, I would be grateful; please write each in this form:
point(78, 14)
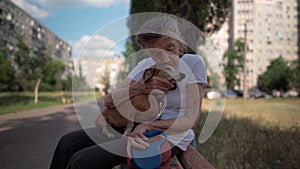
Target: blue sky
point(75, 21)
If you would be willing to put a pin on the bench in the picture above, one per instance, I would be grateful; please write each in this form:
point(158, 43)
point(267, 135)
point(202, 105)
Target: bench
point(190, 159)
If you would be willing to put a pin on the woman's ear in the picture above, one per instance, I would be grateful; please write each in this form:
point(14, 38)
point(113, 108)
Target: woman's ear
point(148, 73)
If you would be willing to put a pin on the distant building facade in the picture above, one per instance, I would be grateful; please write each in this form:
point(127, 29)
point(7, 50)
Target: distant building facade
point(272, 28)
point(15, 21)
point(220, 40)
point(94, 70)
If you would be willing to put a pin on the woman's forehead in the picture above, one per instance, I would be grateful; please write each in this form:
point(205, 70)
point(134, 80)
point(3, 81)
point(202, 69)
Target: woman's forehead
point(162, 42)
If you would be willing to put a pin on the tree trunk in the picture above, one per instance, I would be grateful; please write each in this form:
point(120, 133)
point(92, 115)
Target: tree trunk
point(36, 91)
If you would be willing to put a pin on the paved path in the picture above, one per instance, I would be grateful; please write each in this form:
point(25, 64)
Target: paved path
point(28, 139)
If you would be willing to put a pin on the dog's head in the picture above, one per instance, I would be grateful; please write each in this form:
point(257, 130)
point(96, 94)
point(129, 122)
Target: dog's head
point(166, 72)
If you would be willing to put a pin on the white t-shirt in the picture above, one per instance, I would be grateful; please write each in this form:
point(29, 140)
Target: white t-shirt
point(193, 66)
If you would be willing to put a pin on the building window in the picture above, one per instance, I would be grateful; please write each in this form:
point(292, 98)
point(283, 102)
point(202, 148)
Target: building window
point(269, 16)
point(278, 16)
point(279, 26)
point(279, 34)
point(269, 51)
point(279, 7)
point(269, 7)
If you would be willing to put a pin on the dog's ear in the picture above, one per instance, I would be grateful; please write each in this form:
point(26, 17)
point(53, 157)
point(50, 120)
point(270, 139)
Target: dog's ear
point(148, 73)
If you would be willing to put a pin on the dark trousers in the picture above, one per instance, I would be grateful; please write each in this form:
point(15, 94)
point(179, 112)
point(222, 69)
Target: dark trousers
point(77, 150)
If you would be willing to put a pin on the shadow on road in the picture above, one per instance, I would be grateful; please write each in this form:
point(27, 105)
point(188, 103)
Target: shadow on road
point(28, 139)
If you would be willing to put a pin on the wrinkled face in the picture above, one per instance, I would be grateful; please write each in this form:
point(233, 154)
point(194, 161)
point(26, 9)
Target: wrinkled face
point(171, 74)
point(165, 51)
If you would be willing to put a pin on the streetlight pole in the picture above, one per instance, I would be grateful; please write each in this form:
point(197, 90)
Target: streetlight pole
point(245, 91)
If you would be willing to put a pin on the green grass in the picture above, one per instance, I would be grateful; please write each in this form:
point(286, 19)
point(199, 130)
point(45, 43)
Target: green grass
point(262, 133)
point(11, 102)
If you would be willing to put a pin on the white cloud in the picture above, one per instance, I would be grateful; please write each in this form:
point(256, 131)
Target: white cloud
point(41, 8)
point(93, 47)
point(32, 9)
point(79, 3)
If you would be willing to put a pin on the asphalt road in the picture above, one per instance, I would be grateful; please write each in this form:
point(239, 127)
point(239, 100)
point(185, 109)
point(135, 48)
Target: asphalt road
point(28, 139)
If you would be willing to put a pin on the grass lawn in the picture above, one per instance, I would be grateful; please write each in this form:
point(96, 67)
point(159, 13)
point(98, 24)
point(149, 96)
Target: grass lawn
point(20, 101)
point(260, 133)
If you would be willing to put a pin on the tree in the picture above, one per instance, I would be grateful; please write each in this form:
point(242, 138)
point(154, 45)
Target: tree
point(233, 64)
point(52, 76)
point(40, 61)
point(294, 81)
point(78, 81)
point(22, 61)
point(34, 66)
point(106, 82)
point(7, 72)
point(277, 76)
point(67, 83)
point(207, 15)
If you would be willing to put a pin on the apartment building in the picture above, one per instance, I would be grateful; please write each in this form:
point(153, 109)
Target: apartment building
point(94, 70)
point(220, 40)
point(272, 30)
point(15, 21)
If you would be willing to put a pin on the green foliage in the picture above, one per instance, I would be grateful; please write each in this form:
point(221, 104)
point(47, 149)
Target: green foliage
point(53, 71)
point(213, 80)
point(7, 72)
point(295, 77)
point(37, 64)
point(31, 64)
point(233, 64)
point(129, 49)
point(52, 76)
point(106, 81)
point(277, 76)
point(200, 13)
point(22, 59)
point(207, 15)
point(66, 84)
point(79, 83)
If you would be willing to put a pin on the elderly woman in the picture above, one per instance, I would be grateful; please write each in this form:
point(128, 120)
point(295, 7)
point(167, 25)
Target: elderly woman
point(160, 39)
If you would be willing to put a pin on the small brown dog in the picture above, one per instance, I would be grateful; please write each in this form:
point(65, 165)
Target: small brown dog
point(140, 108)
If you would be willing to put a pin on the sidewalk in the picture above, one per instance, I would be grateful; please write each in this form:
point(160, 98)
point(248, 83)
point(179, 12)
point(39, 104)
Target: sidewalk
point(28, 139)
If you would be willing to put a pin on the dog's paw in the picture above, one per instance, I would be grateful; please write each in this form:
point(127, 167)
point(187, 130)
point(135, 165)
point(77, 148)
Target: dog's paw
point(109, 135)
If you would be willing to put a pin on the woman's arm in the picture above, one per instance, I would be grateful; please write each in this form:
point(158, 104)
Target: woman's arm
point(129, 88)
point(184, 123)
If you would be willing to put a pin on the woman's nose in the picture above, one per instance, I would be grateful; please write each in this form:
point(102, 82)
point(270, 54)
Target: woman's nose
point(165, 58)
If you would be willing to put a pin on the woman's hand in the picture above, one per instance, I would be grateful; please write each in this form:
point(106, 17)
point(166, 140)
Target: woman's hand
point(137, 138)
point(159, 83)
point(140, 87)
point(135, 88)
